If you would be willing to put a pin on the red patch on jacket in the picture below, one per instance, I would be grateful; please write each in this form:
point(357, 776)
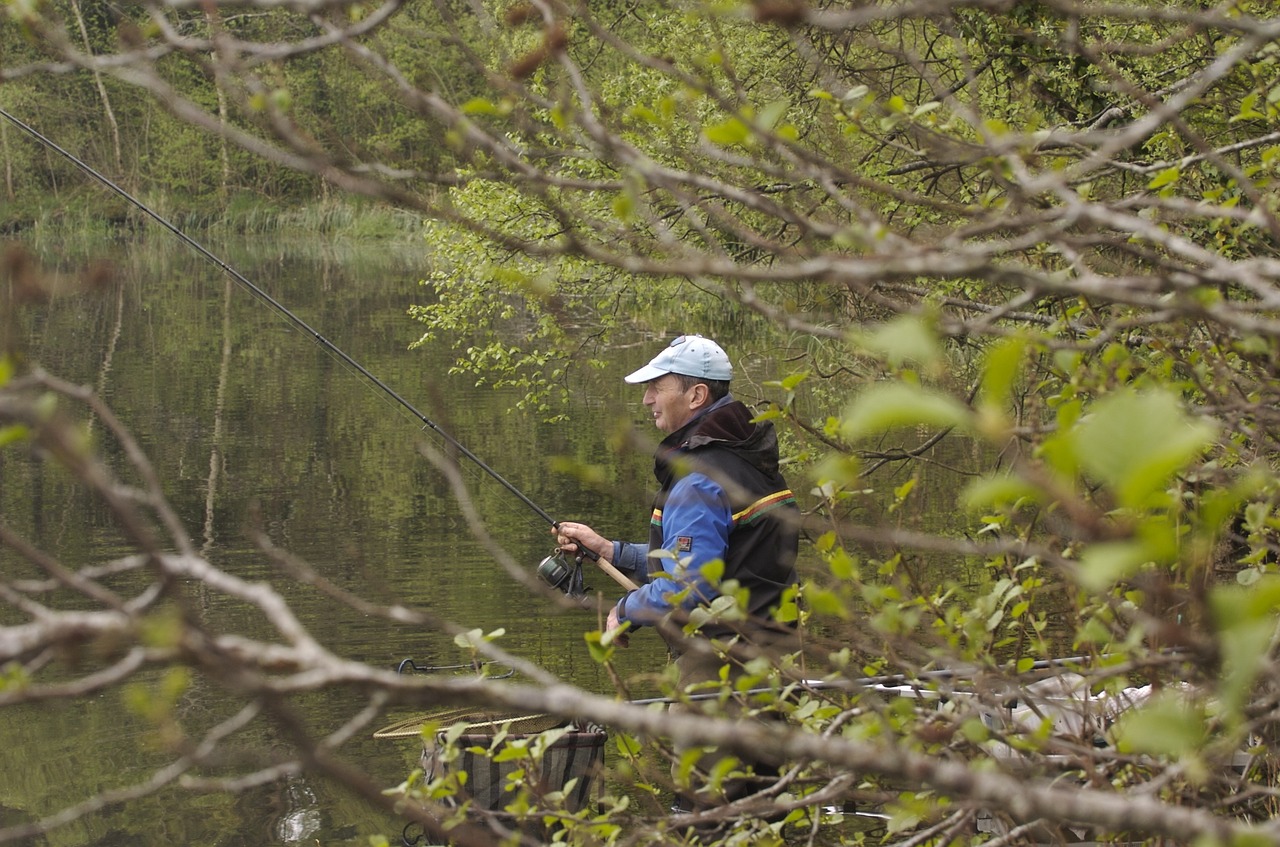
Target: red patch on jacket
point(684, 543)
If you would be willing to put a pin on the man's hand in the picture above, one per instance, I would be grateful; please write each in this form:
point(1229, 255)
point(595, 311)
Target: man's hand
point(621, 638)
point(573, 537)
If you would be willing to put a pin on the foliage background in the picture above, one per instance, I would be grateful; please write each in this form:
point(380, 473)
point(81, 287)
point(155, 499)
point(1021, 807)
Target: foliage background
point(1045, 227)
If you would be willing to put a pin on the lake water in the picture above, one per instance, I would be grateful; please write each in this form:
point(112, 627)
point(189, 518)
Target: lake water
point(250, 422)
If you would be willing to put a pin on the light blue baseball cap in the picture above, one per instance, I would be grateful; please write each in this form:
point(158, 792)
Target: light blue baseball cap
point(688, 355)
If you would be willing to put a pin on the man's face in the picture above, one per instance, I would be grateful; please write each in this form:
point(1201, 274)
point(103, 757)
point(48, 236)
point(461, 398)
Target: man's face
point(671, 405)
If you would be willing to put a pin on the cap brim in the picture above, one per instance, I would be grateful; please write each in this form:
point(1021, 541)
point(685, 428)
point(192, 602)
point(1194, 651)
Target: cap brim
point(645, 374)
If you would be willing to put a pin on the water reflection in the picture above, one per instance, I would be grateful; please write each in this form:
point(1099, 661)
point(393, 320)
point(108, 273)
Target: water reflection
point(300, 818)
point(249, 424)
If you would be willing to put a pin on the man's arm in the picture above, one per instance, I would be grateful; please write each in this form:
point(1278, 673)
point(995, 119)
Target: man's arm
point(696, 521)
point(633, 559)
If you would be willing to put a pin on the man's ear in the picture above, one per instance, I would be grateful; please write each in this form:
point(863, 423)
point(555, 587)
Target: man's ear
point(701, 395)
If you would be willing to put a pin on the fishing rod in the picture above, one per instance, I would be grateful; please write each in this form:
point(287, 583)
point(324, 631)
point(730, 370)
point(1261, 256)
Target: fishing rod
point(552, 569)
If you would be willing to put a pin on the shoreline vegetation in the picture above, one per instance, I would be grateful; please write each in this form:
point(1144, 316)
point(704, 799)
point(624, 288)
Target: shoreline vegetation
point(93, 209)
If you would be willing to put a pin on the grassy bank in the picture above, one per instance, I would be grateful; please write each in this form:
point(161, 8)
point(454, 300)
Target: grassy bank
point(94, 210)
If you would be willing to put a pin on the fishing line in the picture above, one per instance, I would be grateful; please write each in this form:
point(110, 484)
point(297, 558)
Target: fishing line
point(293, 319)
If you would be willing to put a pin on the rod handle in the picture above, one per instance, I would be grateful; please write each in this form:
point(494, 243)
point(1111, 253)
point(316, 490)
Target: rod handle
point(618, 576)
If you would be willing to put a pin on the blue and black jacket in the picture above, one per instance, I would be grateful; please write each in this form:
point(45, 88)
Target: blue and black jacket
point(721, 497)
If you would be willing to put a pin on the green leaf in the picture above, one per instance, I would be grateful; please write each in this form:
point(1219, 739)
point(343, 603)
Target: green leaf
point(1232, 605)
point(996, 491)
point(623, 207)
point(480, 106)
point(841, 564)
point(282, 99)
point(713, 571)
point(1243, 648)
point(792, 381)
point(1246, 619)
point(627, 745)
point(857, 92)
point(1135, 442)
point(1248, 576)
point(13, 677)
point(1102, 565)
point(642, 114)
point(1248, 109)
point(510, 753)
point(1168, 725)
point(597, 649)
point(900, 404)
point(728, 133)
point(905, 339)
point(1168, 176)
point(13, 433)
point(825, 603)
point(771, 115)
point(1001, 366)
point(468, 640)
point(1261, 837)
point(1255, 516)
point(559, 118)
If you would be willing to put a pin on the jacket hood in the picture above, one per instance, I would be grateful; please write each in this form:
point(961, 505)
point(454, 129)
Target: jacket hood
point(727, 423)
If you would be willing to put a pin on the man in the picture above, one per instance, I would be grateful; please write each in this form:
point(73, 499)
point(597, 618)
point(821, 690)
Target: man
point(721, 499)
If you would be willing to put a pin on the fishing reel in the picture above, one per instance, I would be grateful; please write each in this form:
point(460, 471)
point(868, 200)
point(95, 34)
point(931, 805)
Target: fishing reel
point(556, 571)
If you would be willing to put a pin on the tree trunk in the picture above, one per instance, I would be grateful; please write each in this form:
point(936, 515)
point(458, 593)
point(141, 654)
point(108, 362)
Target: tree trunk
point(102, 89)
point(8, 160)
point(224, 151)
